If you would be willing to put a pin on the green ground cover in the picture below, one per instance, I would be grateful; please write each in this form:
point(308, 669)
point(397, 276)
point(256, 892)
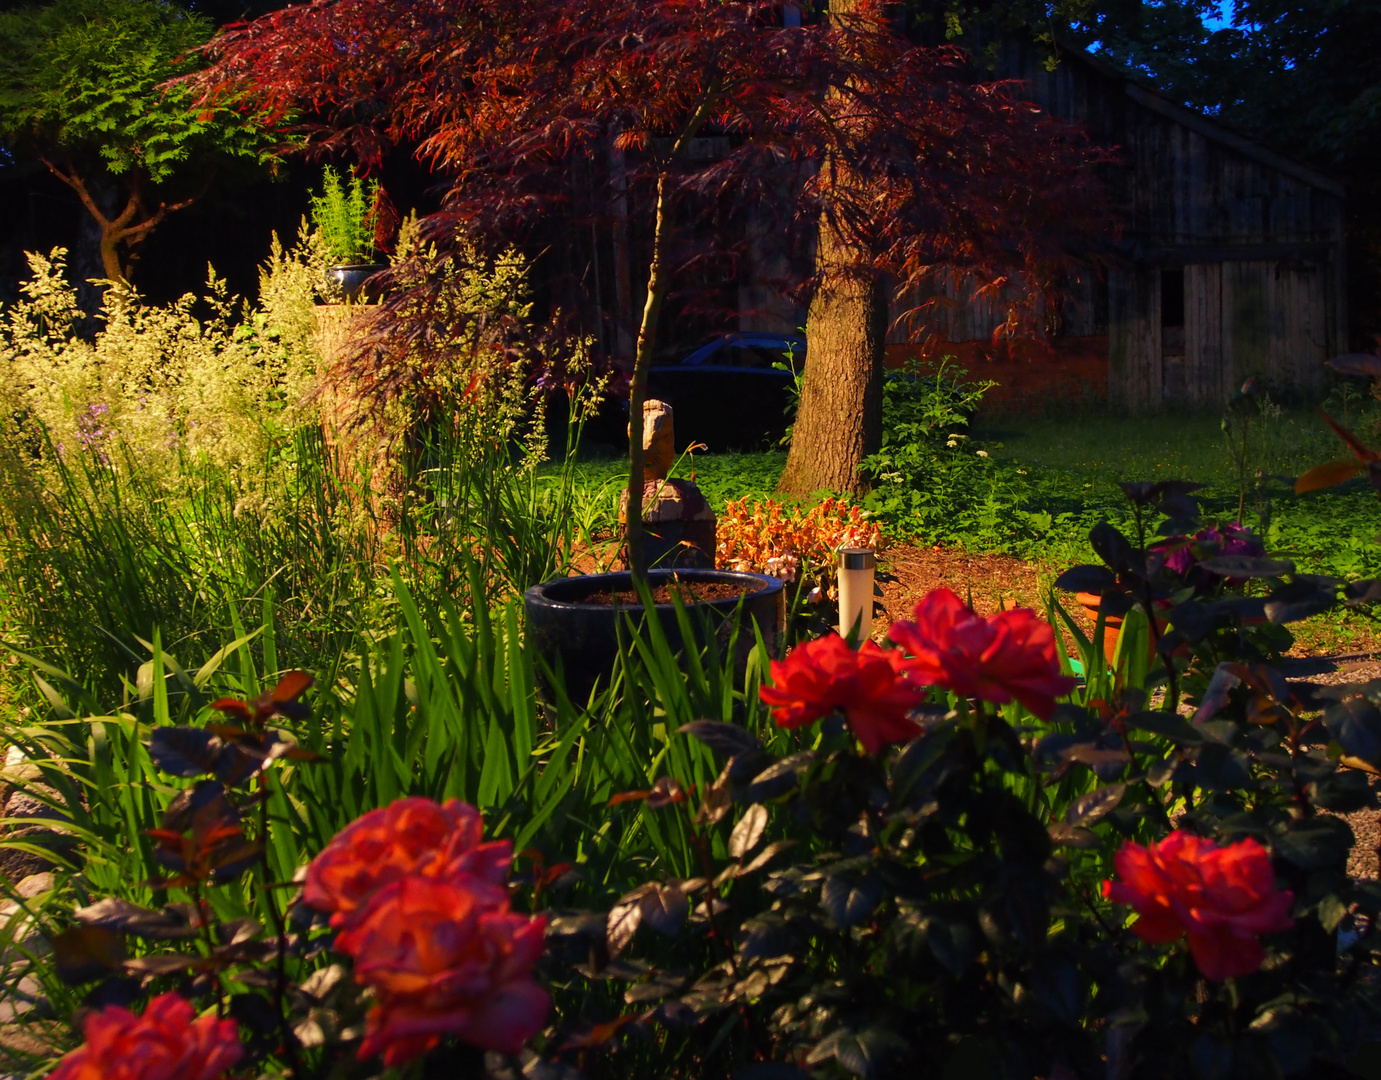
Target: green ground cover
point(1069, 469)
point(1050, 481)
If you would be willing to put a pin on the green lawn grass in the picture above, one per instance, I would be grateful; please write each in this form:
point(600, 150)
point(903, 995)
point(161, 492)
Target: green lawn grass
point(1055, 478)
point(720, 477)
point(1072, 468)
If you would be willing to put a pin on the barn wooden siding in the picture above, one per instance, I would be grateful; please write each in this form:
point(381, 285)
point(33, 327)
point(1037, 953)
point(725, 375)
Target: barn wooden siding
point(1231, 260)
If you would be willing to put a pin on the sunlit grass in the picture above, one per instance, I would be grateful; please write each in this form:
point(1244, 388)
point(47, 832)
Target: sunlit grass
point(1068, 468)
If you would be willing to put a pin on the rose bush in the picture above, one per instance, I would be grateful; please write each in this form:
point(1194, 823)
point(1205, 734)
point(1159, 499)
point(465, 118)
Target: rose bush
point(823, 675)
point(1184, 554)
point(168, 1042)
point(959, 899)
point(411, 836)
point(1010, 657)
point(1222, 898)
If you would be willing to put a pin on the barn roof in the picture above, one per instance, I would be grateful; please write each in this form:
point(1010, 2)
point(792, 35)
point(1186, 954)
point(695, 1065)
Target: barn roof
point(1148, 98)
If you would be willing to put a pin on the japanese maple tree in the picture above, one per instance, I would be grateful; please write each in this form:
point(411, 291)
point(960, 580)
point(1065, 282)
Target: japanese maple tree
point(909, 169)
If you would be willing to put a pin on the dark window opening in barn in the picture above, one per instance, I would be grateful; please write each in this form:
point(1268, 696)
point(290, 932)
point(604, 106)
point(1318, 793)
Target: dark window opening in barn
point(1172, 298)
point(1173, 384)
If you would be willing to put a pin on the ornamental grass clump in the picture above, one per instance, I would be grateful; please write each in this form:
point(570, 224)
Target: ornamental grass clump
point(203, 377)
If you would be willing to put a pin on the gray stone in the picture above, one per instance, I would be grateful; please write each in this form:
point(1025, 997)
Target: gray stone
point(35, 884)
point(23, 997)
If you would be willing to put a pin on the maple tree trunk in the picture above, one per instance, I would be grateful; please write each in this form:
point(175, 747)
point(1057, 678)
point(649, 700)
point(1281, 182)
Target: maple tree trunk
point(839, 418)
point(637, 392)
point(839, 421)
point(647, 340)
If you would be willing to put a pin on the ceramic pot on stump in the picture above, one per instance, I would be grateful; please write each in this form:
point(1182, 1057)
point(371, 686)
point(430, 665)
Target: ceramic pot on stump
point(353, 280)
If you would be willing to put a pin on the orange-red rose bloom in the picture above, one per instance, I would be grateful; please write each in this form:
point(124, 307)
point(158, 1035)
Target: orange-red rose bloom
point(825, 674)
point(1222, 898)
point(1009, 657)
point(409, 836)
point(446, 957)
point(167, 1043)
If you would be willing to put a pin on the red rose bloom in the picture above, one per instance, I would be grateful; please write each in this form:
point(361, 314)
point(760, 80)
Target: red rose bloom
point(166, 1043)
point(1222, 898)
point(825, 674)
point(446, 957)
point(1010, 656)
point(409, 836)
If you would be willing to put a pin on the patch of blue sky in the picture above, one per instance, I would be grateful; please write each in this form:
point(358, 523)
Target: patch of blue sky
point(1223, 17)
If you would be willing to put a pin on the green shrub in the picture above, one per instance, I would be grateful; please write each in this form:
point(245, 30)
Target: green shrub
point(930, 479)
point(344, 218)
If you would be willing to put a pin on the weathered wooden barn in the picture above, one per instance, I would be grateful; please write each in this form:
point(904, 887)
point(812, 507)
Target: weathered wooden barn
point(1230, 263)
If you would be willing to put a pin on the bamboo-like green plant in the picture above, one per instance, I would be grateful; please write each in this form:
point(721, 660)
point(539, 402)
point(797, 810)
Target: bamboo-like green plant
point(344, 217)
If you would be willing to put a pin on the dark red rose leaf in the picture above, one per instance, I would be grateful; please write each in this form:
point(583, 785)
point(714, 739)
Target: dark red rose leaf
point(184, 751)
point(86, 953)
point(727, 739)
point(623, 922)
point(169, 963)
point(202, 802)
point(1097, 804)
point(123, 917)
point(665, 909)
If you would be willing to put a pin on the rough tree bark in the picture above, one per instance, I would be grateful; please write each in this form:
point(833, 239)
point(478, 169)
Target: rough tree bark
point(839, 419)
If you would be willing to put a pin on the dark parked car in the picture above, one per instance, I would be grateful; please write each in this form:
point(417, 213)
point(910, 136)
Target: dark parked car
point(726, 394)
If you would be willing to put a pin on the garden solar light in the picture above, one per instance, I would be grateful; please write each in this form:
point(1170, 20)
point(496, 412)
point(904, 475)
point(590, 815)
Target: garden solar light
point(856, 569)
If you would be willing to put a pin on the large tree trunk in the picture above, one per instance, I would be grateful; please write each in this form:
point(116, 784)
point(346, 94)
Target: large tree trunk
point(839, 421)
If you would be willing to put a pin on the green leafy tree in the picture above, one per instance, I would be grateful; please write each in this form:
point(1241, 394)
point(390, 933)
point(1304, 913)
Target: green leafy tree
point(82, 91)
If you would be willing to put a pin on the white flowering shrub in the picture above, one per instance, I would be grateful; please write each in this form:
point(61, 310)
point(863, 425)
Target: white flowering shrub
point(202, 378)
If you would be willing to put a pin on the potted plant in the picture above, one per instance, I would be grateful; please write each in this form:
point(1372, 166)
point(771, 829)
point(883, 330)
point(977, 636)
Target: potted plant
point(346, 218)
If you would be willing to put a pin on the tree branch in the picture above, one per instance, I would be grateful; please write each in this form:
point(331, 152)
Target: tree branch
point(74, 181)
point(647, 336)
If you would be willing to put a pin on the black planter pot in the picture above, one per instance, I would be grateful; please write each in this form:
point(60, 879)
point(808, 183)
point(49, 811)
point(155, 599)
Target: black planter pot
point(585, 636)
point(352, 280)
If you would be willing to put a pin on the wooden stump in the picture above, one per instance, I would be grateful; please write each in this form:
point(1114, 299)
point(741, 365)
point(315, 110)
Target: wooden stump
point(356, 440)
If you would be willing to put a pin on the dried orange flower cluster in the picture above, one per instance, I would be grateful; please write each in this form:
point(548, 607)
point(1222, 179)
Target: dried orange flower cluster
point(768, 540)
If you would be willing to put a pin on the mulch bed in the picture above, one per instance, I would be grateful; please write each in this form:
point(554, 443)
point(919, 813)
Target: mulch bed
point(908, 572)
point(700, 592)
